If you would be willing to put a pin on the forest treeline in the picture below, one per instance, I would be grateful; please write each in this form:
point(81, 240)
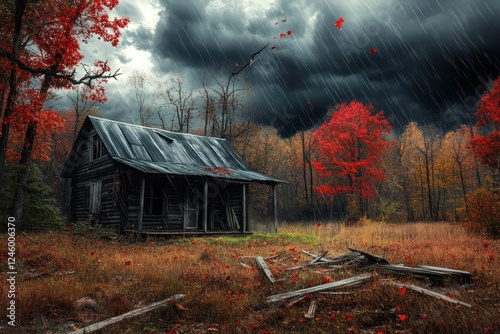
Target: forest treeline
point(353, 165)
point(427, 174)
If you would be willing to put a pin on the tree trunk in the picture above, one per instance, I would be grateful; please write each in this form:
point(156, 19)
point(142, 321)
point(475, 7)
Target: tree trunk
point(304, 173)
point(26, 154)
point(11, 99)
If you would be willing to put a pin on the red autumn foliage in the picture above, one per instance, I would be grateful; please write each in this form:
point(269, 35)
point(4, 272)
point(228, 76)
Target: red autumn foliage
point(52, 32)
point(351, 144)
point(28, 110)
point(487, 147)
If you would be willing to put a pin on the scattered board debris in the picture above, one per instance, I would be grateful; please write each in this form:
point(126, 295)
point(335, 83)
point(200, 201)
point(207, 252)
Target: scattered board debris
point(352, 281)
point(319, 258)
point(134, 313)
point(263, 266)
point(431, 293)
point(435, 275)
point(371, 258)
point(311, 310)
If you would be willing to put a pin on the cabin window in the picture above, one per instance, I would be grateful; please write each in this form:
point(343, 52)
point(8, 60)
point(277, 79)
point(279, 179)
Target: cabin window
point(95, 196)
point(154, 199)
point(96, 149)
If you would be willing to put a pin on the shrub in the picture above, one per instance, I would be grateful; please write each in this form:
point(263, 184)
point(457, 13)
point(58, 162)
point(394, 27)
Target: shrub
point(483, 213)
point(40, 212)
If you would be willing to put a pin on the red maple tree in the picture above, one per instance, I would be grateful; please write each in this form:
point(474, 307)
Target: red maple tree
point(350, 146)
point(52, 31)
point(487, 147)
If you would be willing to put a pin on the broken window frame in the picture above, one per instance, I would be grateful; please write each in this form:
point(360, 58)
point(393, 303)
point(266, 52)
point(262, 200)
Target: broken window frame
point(94, 199)
point(154, 199)
point(96, 147)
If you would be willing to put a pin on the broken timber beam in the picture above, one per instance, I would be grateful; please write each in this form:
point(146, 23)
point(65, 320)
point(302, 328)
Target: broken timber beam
point(319, 258)
point(139, 311)
point(334, 285)
point(311, 310)
point(454, 275)
point(263, 266)
point(431, 293)
point(371, 258)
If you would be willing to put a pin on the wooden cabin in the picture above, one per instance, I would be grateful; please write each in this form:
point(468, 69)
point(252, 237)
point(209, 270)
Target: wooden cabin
point(148, 180)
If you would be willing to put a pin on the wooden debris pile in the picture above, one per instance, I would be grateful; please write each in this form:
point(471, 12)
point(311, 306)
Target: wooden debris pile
point(362, 261)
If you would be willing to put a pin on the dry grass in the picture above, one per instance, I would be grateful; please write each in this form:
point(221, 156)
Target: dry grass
point(117, 276)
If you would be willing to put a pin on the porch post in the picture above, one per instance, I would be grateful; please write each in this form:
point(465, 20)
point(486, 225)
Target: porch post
point(244, 208)
point(205, 204)
point(141, 202)
point(275, 209)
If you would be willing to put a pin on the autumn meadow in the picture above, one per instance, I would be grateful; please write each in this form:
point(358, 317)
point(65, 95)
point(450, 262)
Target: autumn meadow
point(68, 281)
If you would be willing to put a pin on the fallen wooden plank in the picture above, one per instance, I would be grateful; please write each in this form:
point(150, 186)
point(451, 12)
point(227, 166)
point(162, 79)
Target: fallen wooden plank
point(431, 293)
point(315, 257)
point(263, 266)
point(446, 270)
point(334, 285)
point(244, 265)
point(295, 301)
point(134, 313)
point(433, 275)
point(311, 310)
point(349, 257)
point(319, 258)
point(371, 258)
point(453, 274)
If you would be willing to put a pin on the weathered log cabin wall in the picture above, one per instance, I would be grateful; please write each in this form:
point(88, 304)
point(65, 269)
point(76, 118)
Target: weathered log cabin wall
point(103, 173)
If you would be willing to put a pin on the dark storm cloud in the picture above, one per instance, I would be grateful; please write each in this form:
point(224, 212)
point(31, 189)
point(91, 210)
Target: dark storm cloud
point(433, 55)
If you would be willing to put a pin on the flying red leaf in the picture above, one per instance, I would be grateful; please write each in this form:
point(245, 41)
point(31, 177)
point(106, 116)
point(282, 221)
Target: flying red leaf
point(403, 317)
point(284, 20)
point(339, 23)
point(275, 47)
point(348, 317)
point(128, 263)
point(402, 291)
point(289, 32)
point(373, 50)
point(308, 102)
point(282, 35)
point(333, 316)
point(424, 316)
point(318, 224)
point(486, 244)
point(294, 278)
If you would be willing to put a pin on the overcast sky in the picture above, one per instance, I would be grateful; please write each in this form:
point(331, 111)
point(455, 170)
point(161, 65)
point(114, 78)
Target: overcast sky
point(434, 57)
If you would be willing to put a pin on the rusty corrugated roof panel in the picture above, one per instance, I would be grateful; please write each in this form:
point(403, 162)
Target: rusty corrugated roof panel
point(152, 150)
point(190, 170)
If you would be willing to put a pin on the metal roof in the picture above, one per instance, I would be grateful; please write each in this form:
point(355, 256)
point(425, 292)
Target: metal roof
point(152, 150)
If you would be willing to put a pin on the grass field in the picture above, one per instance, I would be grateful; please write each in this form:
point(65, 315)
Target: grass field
point(68, 281)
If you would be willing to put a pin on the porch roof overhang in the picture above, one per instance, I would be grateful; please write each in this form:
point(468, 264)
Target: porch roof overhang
point(225, 173)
